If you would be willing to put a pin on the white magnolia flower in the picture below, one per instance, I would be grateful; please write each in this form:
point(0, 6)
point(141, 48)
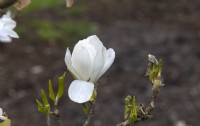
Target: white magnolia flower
point(1, 115)
point(7, 24)
point(88, 62)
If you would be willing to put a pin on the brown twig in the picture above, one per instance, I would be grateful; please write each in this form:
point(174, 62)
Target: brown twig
point(92, 108)
point(144, 113)
point(90, 114)
point(6, 3)
point(56, 113)
point(125, 123)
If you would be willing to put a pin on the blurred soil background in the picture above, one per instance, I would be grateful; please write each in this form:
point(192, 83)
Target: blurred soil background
point(168, 29)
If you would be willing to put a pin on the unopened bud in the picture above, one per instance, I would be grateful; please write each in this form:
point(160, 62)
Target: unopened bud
point(152, 59)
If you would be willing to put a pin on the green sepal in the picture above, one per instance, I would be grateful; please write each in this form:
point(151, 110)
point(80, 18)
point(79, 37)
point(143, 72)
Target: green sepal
point(155, 70)
point(72, 74)
point(6, 123)
point(61, 88)
point(85, 108)
point(51, 92)
point(94, 95)
point(133, 111)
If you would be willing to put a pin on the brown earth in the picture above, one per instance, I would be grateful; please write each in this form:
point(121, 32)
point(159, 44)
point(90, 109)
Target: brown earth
point(168, 29)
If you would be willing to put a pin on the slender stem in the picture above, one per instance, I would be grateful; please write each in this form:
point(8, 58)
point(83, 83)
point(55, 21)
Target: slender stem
point(90, 114)
point(48, 121)
point(125, 123)
point(92, 108)
point(56, 113)
point(146, 112)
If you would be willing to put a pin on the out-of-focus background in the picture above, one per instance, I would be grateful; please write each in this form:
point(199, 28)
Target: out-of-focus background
point(168, 29)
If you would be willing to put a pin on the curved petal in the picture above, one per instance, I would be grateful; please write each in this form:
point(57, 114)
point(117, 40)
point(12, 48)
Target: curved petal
point(95, 42)
point(3, 118)
point(109, 59)
point(90, 48)
point(82, 62)
point(80, 91)
point(1, 24)
point(6, 39)
point(68, 62)
point(97, 65)
point(1, 112)
point(9, 23)
point(11, 33)
point(2, 33)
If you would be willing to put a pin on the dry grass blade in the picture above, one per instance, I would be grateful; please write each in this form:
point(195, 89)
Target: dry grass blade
point(69, 3)
point(22, 3)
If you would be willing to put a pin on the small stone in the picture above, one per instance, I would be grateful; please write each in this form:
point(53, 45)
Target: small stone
point(37, 69)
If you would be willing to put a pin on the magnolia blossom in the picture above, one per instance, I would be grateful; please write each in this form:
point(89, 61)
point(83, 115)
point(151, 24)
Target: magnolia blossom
point(7, 24)
point(1, 115)
point(88, 62)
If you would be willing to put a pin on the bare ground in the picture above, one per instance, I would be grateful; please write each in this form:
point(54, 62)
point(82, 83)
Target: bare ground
point(169, 30)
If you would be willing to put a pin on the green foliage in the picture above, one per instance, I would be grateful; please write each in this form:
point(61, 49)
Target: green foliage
point(94, 95)
point(154, 69)
point(60, 87)
point(127, 107)
point(46, 30)
point(44, 106)
point(6, 123)
point(85, 108)
point(51, 92)
point(78, 10)
point(130, 111)
point(133, 112)
point(72, 29)
point(62, 30)
point(40, 4)
point(44, 98)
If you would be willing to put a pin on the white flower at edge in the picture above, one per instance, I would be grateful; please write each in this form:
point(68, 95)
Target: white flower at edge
point(88, 62)
point(1, 115)
point(7, 24)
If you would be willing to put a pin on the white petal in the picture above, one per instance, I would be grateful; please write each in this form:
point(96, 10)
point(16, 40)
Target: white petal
point(82, 62)
point(2, 33)
point(97, 65)
point(1, 111)
point(80, 91)
point(9, 23)
point(8, 14)
point(3, 118)
point(90, 48)
point(109, 59)
point(5, 39)
point(1, 24)
point(11, 33)
point(95, 42)
point(68, 62)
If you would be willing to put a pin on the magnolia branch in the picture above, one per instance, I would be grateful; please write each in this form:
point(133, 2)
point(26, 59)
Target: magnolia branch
point(90, 113)
point(56, 113)
point(92, 108)
point(154, 71)
point(143, 113)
